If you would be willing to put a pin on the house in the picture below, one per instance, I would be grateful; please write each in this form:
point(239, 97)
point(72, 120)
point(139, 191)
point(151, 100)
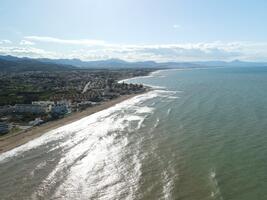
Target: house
point(4, 128)
point(29, 108)
point(6, 110)
point(61, 108)
point(46, 105)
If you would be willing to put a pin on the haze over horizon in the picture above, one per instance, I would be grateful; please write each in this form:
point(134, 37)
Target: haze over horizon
point(183, 30)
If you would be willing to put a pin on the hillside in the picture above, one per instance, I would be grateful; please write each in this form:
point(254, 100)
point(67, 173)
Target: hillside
point(14, 64)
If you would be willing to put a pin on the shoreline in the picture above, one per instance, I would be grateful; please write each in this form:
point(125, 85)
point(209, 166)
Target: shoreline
point(9, 142)
point(139, 77)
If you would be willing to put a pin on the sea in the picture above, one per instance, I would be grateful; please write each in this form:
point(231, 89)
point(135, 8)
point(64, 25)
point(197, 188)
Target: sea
point(199, 134)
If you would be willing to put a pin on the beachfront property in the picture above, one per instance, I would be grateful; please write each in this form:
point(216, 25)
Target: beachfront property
point(37, 107)
point(60, 109)
point(4, 128)
point(46, 105)
point(28, 108)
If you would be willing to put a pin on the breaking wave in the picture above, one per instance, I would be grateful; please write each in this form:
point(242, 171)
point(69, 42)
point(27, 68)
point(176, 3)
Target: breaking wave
point(169, 111)
point(216, 193)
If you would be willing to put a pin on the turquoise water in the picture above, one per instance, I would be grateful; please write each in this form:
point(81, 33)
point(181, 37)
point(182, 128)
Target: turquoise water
point(199, 135)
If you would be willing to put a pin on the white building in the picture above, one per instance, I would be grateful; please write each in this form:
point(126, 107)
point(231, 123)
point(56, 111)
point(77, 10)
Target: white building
point(46, 105)
point(29, 108)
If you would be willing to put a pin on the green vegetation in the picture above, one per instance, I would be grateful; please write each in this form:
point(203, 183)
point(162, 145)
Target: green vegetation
point(23, 88)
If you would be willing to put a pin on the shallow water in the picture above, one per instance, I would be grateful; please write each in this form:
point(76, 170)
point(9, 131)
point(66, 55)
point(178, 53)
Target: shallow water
point(201, 134)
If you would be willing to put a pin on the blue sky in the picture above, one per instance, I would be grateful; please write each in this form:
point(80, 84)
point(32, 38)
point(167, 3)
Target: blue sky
point(161, 30)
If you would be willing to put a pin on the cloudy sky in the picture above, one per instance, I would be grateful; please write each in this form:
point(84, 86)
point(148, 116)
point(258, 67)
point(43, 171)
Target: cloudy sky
point(160, 30)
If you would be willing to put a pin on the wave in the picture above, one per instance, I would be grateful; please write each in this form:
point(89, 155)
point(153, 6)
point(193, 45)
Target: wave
point(150, 75)
point(168, 185)
point(101, 142)
point(216, 193)
point(144, 109)
point(135, 78)
point(168, 94)
point(154, 86)
point(169, 111)
point(156, 123)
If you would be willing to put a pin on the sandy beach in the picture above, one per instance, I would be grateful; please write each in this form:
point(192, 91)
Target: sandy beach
point(9, 142)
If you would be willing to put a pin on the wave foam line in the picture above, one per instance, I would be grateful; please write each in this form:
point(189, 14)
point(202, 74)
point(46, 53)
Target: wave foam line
point(216, 193)
point(156, 123)
point(83, 162)
point(169, 111)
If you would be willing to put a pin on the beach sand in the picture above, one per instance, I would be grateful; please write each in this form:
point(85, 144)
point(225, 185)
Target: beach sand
point(9, 142)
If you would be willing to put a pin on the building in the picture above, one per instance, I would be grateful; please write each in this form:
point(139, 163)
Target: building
point(46, 105)
point(29, 108)
point(6, 110)
point(61, 108)
point(4, 128)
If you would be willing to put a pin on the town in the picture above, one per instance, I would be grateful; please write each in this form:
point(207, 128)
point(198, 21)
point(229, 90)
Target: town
point(31, 98)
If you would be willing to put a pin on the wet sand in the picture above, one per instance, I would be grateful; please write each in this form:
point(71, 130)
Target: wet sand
point(9, 142)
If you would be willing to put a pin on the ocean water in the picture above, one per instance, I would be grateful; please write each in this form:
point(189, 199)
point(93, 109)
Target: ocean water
point(201, 134)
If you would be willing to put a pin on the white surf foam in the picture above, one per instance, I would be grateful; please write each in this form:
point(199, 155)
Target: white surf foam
point(156, 123)
point(216, 193)
point(144, 109)
point(84, 162)
point(167, 185)
point(154, 74)
point(135, 78)
point(169, 111)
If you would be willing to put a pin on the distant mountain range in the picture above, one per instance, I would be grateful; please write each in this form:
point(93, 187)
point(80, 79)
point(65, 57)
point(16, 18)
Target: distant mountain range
point(15, 64)
point(103, 64)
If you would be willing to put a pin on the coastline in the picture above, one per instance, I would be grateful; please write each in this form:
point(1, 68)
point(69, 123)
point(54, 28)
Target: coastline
point(9, 142)
point(139, 77)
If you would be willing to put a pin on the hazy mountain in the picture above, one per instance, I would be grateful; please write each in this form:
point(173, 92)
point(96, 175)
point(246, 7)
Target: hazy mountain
point(117, 63)
point(11, 63)
point(109, 64)
point(15, 64)
point(10, 58)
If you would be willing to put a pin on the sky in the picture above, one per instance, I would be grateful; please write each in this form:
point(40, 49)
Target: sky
point(135, 30)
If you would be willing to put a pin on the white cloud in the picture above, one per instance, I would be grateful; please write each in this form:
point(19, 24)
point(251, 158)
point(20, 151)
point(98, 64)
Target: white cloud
point(5, 42)
point(64, 41)
point(176, 26)
point(27, 52)
point(97, 49)
point(26, 43)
